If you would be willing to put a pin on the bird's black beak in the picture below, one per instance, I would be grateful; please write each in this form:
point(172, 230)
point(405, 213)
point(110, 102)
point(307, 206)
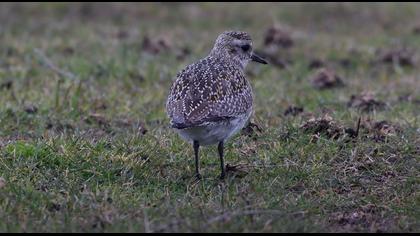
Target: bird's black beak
point(258, 59)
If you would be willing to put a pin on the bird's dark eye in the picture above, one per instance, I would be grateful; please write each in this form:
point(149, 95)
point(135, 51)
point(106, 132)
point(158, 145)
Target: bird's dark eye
point(245, 47)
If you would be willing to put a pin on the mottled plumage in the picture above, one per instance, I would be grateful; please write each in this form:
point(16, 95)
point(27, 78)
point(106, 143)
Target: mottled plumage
point(207, 91)
point(211, 99)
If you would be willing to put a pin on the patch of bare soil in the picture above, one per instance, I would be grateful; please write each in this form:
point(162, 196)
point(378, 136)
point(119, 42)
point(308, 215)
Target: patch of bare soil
point(365, 102)
point(326, 78)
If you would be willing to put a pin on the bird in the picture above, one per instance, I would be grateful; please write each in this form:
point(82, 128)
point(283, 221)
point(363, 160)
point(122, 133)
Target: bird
point(211, 99)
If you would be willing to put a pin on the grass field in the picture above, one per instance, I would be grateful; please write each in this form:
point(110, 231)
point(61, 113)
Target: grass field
point(85, 144)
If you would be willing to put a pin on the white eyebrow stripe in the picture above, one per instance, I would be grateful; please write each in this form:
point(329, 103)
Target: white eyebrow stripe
point(238, 42)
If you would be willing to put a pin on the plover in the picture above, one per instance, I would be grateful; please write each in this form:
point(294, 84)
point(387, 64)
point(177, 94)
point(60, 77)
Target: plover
point(211, 99)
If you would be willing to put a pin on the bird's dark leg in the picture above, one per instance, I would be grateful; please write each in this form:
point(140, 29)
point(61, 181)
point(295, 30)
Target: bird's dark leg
point(196, 145)
point(222, 165)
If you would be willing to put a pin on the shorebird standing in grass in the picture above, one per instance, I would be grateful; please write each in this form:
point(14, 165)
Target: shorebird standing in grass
point(211, 99)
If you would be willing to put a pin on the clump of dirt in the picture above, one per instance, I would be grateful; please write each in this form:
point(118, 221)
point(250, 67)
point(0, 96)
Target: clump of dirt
point(380, 130)
point(252, 130)
point(293, 110)
point(326, 78)
point(322, 125)
point(365, 102)
point(316, 63)
point(156, 45)
point(31, 109)
point(7, 85)
point(278, 36)
point(400, 56)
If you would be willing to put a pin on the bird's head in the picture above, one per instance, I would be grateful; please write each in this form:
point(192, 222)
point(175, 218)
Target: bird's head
point(237, 46)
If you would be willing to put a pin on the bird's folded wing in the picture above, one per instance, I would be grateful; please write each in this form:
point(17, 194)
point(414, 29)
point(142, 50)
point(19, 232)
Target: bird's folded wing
point(195, 100)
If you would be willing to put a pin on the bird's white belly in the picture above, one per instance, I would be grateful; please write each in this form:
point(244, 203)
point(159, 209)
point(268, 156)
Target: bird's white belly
point(214, 132)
